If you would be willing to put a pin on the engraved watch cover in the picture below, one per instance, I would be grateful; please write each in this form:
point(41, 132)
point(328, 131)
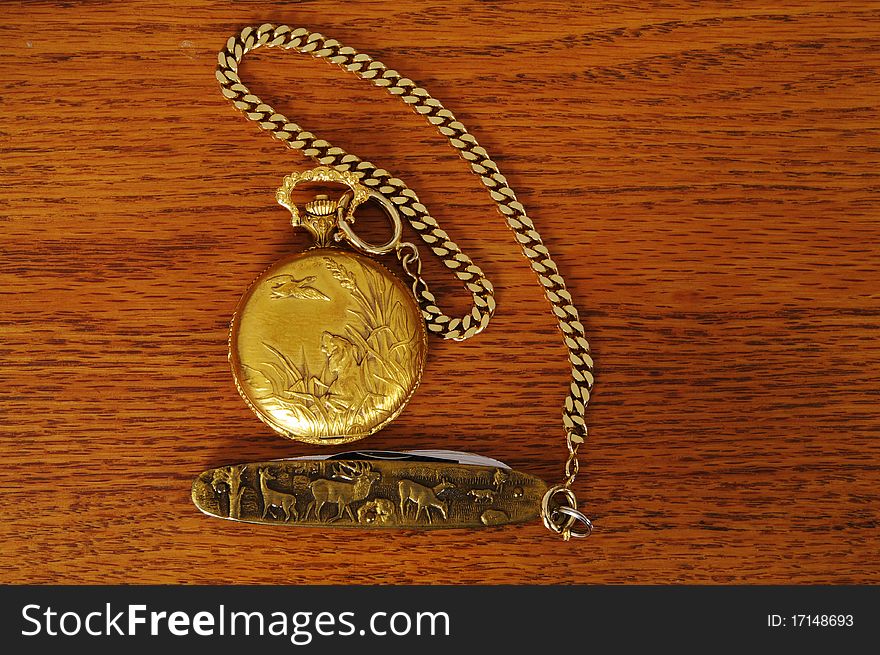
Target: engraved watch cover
point(327, 346)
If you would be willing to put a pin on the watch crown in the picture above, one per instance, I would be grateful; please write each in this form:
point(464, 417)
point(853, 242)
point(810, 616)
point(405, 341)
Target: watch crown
point(321, 206)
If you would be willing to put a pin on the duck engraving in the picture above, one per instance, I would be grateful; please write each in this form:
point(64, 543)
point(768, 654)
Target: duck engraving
point(287, 286)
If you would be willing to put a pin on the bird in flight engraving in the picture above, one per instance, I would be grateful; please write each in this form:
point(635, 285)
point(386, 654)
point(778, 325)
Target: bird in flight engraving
point(287, 286)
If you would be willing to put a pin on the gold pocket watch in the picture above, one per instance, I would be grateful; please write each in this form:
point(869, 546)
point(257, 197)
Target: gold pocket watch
point(327, 346)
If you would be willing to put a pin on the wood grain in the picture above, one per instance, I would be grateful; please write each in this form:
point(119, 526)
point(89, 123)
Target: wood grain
point(705, 175)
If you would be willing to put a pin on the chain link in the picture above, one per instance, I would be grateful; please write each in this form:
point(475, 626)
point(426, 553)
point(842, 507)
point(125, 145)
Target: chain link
point(407, 203)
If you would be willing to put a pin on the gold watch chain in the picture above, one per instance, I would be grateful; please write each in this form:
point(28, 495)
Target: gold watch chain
point(559, 507)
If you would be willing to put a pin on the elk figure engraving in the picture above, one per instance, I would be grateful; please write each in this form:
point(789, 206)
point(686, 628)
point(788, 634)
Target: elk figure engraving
point(424, 498)
point(355, 479)
point(272, 498)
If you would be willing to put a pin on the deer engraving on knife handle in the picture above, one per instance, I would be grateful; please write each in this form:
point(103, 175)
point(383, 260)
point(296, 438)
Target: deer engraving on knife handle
point(354, 484)
point(273, 498)
point(424, 497)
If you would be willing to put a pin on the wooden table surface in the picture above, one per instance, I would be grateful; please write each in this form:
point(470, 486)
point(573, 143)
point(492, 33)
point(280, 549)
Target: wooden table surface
point(705, 174)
